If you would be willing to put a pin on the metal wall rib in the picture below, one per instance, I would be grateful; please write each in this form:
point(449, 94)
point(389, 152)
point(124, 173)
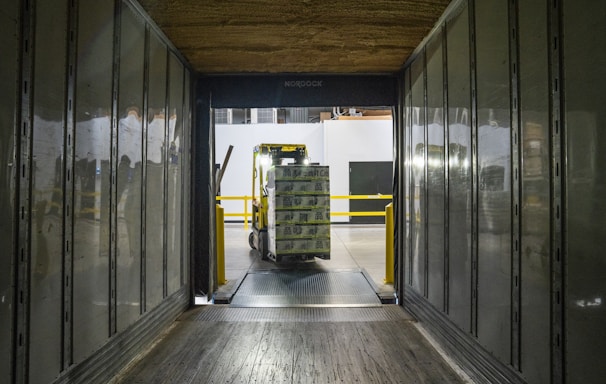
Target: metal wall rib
point(557, 151)
point(24, 171)
point(425, 202)
point(113, 161)
point(474, 167)
point(145, 122)
point(68, 186)
point(514, 64)
point(446, 170)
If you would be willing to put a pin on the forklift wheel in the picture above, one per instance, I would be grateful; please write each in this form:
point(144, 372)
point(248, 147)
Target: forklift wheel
point(262, 249)
point(251, 240)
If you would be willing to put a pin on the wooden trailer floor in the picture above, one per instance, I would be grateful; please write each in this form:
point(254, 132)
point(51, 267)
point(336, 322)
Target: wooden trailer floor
point(319, 322)
point(223, 344)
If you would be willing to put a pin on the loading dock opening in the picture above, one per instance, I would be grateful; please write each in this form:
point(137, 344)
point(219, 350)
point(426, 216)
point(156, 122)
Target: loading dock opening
point(261, 91)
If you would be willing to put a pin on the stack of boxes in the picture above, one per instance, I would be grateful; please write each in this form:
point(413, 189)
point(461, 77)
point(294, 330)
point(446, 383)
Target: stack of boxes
point(298, 211)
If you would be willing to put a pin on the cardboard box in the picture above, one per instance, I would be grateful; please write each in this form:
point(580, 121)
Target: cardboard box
point(302, 187)
point(300, 231)
point(296, 247)
point(310, 216)
point(301, 201)
point(298, 172)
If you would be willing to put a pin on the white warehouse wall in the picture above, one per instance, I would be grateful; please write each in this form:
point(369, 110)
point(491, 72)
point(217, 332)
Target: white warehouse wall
point(334, 143)
point(353, 140)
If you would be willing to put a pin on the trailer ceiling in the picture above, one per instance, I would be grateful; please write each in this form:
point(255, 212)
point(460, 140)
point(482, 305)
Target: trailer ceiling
point(295, 36)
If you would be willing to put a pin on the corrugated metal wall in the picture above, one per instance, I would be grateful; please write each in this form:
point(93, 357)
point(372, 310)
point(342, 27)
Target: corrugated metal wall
point(95, 157)
point(501, 143)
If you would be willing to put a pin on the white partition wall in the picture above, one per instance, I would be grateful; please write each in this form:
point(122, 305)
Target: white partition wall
point(353, 140)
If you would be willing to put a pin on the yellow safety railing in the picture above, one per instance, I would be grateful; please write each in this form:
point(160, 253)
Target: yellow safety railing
point(387, 213)
point(246, 215)
point(246, 199)
point(360, 197)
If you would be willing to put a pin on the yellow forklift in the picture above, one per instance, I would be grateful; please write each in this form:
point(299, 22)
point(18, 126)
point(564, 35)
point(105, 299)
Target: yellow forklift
point(291, 207)
point(266, 156)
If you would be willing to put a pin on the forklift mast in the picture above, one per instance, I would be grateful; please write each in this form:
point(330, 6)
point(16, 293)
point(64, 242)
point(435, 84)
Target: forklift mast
point(267, 155)
point(264, 157)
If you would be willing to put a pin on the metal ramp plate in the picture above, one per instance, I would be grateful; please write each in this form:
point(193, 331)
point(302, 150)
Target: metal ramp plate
point(301, 288)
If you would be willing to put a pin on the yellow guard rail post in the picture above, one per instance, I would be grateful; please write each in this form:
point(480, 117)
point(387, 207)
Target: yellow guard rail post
point(220, 221)
point(389, 244)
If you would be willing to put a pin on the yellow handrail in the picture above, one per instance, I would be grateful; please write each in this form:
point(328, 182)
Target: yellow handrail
point(361, 197)
point(246, 215)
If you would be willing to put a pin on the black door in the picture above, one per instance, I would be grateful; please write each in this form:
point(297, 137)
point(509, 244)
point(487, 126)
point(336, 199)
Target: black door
point(369, 178)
